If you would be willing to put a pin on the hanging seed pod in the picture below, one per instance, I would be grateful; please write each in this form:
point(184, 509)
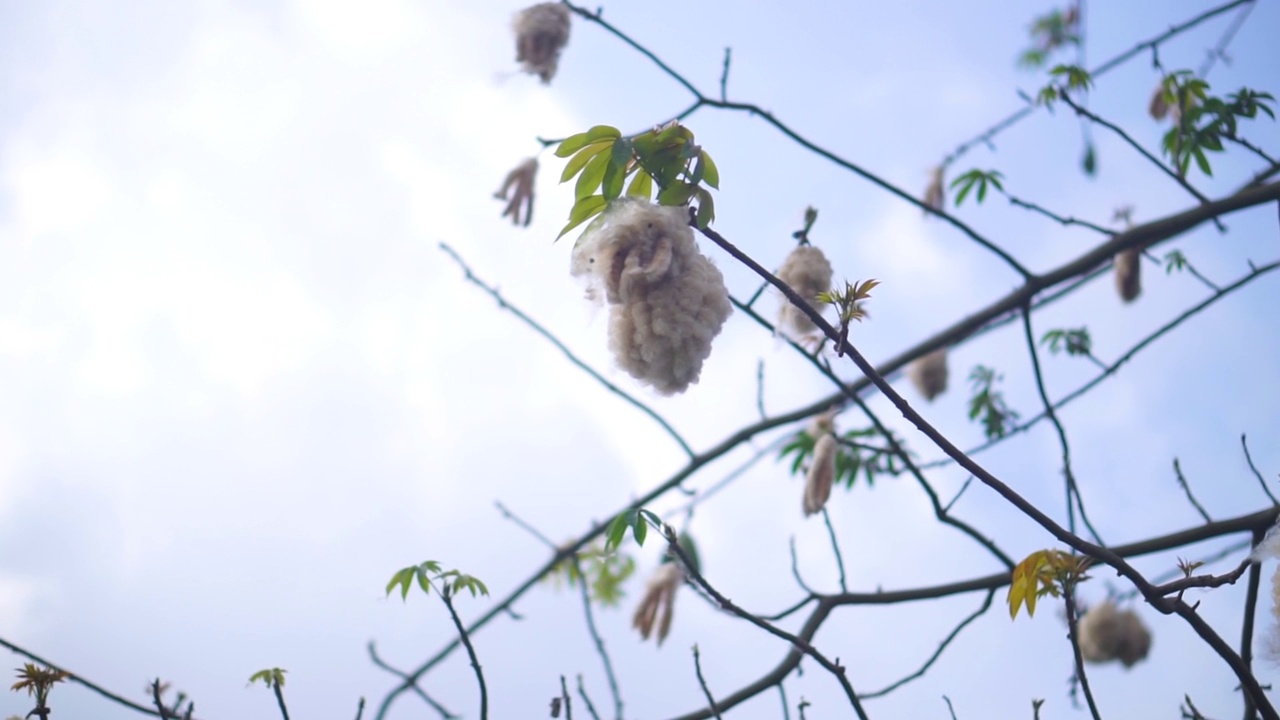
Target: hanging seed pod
point(542, 31)
point(667, 301)
point(935, 196)
point(1107, 634)
point(658, 604)
point(809, 273)
point(1128, 273)
point(929, 374)
point(519, 185)
point(1158, 108)
point(822, 472)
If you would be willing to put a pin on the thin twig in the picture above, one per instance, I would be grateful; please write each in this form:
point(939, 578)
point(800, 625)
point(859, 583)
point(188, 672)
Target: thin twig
point(598, 640)
point(586, 700)
point(1186, 488)
point(360, 708)
point(564, 697)
point(835, 548)
point(155, 695)
point(1246, 629)
point(582, 365)
point(471, 652)
point(697, 667)
point(1244, 443)
point(1073, 630)
point(412, 684)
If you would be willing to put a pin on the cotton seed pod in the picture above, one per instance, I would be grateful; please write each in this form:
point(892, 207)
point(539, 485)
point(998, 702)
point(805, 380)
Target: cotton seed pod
point(809, 273)
point(658, 603)
point(1107, 634)
point(822, 472)
point(1158, 108)
point(1128, 273)
point(929, 374)
point(666, 300)
point(935, 196)
point(542, 31)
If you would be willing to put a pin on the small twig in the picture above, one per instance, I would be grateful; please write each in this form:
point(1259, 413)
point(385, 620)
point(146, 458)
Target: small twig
point(360, 708)
point(1246, 629)
point(835, 548)
point(760, 388)
point(786, 708)
point(1186, 488)
point(1073, 630)
point(79, 680)
point(950, 710)
point(564, 697)
point(574, 359)
point(155, 695)
point(1244, 443)
point(795, 569)
point(407, 679)
point(598, 640)
point(1059, 218)
point(275, 688)
point(506, 513)
point(724, 75)
point(586, 700)
point(697, 667)
point(471, 652)
point(1141, 150)
point(1183, 584)
point(967, 482)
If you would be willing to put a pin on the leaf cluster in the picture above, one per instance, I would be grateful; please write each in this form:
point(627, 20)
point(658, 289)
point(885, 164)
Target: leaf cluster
point(604, 573)
point(1174, 260)
point(1049, 32)
point(452, 582)
point(1044, 572)
point(637, 520)
point(271, 677)
point(979, 180)
point(38, 681)
point(1076, 77)
point(988, 403)
point(665, 158)
point(1204, 120)
point(854, 456)
point(849, 300)
point(1075, 341)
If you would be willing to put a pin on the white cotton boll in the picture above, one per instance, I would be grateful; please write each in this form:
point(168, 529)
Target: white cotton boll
point(1128, 270)
point(809, 273)
point(1269, 548)
point(1107, 634)
point(929, 374)
point(542, 31)
point(666, 300)
point(822, 472)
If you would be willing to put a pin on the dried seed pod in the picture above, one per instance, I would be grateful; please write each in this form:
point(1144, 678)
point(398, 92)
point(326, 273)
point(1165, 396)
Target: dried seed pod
point(519, 183)
point(1128, 272)
point(542, 31)
point(1107, 634)
point(809, 273)
point(822, 472)
point(935, 196)
point(929, 374)
point(658, 604)
point(1158, 108)
point(667, 301)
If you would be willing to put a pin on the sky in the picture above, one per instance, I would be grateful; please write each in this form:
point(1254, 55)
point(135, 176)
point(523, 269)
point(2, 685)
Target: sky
point(241, 384)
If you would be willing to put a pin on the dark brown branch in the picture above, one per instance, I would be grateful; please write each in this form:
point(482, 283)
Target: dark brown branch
point(1244, 444)
point(1186, 488)
point(1246, 629)
point(1073, 632)
point(471, 651)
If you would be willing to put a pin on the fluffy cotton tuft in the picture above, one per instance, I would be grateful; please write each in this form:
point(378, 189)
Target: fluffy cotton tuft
point(1128, 274)
point(929, 374)
point(542, 31)
point(809, 273)
point(817, 486)
point(1108, 634)
point(667, 301)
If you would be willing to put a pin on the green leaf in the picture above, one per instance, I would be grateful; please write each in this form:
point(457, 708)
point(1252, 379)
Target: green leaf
point(615, 171)
point(1090, 162)
point(574, 142)
point(639, 528)
point(706, 208)
point(710, 174)
point(1201, 161)
point(677, 193)
point(641, 185)
point(617, 531)
point(584, 209)
point(591, 176)
point(577, 162)
point(403, 578)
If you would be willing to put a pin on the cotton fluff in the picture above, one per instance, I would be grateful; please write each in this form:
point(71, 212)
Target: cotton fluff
point(542, 31)
point(929, 374)
point(666, 300)
point(1108, 634)
point(1269, 549)
point(822, 468)
point(935, 195)
point(1128, 272)
point(809, 273)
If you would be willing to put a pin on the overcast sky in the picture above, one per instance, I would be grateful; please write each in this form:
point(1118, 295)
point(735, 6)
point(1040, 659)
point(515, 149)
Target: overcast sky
point(240, 385)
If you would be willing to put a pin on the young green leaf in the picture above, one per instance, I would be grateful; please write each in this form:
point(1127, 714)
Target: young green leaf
point(573, 143)
point(584, 209)
point(591, 177)
point(641, 185)
point(711, 174)
point(585, 155)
